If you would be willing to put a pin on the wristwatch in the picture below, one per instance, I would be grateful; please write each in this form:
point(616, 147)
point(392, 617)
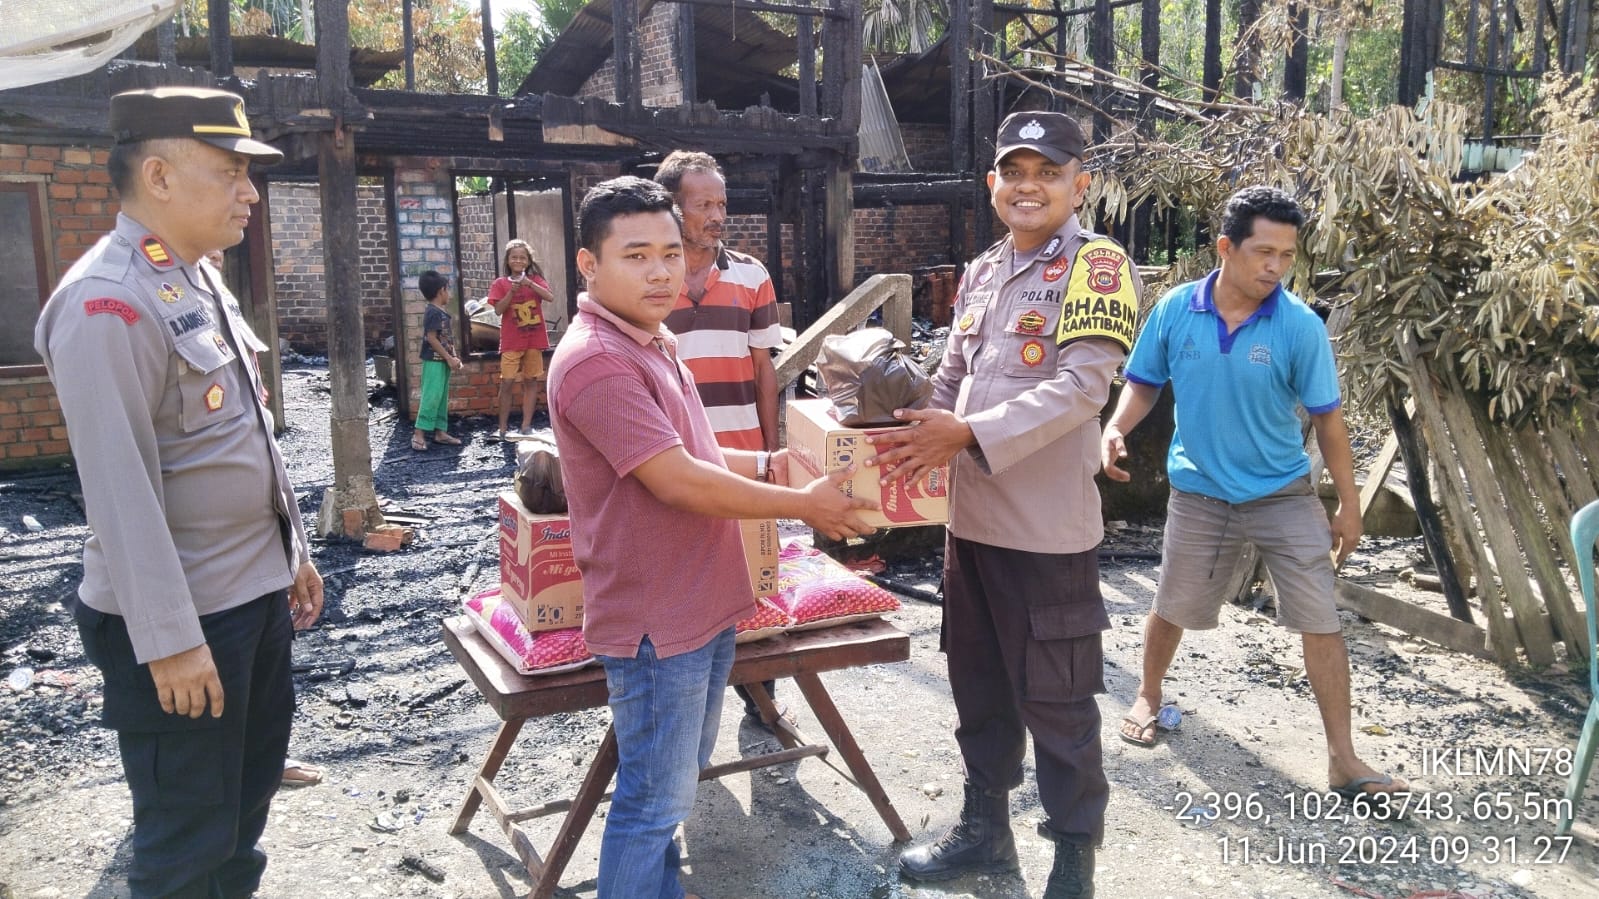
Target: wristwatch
point(763, 471)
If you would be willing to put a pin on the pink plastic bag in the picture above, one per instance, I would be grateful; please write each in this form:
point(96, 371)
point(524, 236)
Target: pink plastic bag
point(546, 652)
point(768, 621)
point(819, 592)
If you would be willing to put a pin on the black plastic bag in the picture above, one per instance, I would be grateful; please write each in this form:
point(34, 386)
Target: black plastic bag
point(538, 477)
point(868, 374)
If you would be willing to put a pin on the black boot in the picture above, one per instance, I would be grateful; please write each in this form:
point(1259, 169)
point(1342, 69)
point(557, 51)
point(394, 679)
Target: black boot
point(980, 843)
point(1072, 876)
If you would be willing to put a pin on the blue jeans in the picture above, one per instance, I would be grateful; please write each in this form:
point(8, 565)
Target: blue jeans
point(666, 713)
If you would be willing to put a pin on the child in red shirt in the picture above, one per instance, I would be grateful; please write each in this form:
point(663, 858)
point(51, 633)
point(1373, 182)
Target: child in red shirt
point(519, 299)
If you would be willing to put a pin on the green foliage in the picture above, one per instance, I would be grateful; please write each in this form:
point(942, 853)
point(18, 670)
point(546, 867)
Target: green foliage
point(553, 17)
point(902, 25)
point(516, 48)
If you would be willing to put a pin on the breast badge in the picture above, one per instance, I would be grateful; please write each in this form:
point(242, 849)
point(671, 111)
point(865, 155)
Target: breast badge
point(965, 323)
point(1031, 322)
point(1032, 353)
point(169, 293)
point(214, 397)
point(1056, 270)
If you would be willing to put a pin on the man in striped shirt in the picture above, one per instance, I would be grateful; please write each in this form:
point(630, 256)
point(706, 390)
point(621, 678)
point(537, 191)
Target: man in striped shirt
point(725, 320)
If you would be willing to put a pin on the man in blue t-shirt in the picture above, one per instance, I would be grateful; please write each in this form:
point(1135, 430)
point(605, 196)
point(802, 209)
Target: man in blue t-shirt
point(1242, 354)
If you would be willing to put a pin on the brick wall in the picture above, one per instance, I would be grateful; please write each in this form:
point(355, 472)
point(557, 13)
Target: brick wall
point(899, 239)
point(79, 207)
point(660, 84)
point(296, 215)
point(927, 146)
point(426, 224)
point(480, 252)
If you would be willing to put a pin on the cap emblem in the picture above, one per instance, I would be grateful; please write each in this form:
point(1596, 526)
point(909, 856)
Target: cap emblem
point(1031, 131)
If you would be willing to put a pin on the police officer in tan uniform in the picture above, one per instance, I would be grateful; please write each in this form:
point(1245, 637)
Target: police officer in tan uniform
point(197, 568)
point(1042, 321)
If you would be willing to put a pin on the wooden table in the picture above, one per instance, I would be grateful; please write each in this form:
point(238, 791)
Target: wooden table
point(516, 698)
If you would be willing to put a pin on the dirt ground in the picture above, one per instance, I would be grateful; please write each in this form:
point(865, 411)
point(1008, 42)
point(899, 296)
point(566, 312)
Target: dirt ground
point(1229, 805)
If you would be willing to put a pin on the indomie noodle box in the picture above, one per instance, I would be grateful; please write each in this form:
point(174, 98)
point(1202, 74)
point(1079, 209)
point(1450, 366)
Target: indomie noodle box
point(538, 575)
point(817, 443)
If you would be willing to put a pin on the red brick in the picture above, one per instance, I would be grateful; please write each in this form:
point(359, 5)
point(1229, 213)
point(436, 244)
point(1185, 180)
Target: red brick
point(60, 191)
point(94, 192)
point(51, 153)
point(9, 166)
point(77, 156)
point(354, 523)
point(88, 207)
point(69, 176)
point(39, 166)
point(99, 176)
point(22, 451)
point(59, 432)
point(55, 448)
point(35, 404)
point(8, 407)
point(101, 156)
point(13, 421)
point(34, 435)
point(13, 151)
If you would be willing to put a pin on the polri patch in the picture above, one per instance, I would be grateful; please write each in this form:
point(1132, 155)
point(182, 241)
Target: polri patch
point(111, 306)
point(1032, 353)
point(1031, 322)
point(169, 293)
point(155, 251)
point(965, 324)
point(1101, 298)
point(1056, 270)
point(214, 397)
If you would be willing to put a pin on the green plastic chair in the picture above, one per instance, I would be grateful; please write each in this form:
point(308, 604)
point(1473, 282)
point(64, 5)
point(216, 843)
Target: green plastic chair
point(1584, 530)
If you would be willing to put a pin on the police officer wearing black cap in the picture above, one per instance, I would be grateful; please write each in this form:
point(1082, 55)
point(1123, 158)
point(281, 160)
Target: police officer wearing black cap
point(197, 569)
point(1042, 320)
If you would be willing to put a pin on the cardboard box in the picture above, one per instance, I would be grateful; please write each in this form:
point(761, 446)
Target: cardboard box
point(817, 443)
point(760, 550)
point(538, 575)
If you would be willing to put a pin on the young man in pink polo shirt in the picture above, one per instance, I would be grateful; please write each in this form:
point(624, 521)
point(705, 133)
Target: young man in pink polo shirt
point(654, 503)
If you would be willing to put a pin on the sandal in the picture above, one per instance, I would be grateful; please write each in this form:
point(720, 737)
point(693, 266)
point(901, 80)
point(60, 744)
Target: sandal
point(299, 774)
point(419, 443)
point(1147, 724)
point(447, 439)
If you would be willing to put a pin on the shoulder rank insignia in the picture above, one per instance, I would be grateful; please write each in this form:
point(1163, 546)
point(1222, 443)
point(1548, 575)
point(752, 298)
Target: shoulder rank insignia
point(1101, 299)
point(155, 251)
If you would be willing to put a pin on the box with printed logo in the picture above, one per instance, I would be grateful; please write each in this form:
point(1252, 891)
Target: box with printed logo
point(538, 575)
point(760, 551)
point(817, 443)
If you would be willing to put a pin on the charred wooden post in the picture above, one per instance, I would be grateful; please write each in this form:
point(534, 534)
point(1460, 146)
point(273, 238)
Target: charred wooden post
point(256, 290)
point(166, 43)
point(1413, 451)
point(625, 54)
point(960, 84)
point(1297, 64)
point(1246, 52)
point(491, 68)
point(410, 44)
point(1420, 37)
point(221, 41)
point(687, 73)
point(352, 449)
point(1104, 55)
point(1212, 76)
point(986, 99)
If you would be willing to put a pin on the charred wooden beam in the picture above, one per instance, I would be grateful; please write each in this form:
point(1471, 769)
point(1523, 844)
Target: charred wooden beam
point(806, 41)
point(911, 193)
point(221, 31)
point(1212, 74)
point(687, 74)
point(625, 53)
point(756, 129)
point(1413, 451)
point(410, 45)
point(1297, 65)
point(798, 9)
point(491, 68)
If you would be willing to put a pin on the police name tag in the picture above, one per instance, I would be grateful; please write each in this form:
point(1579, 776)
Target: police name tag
point(1101, 300)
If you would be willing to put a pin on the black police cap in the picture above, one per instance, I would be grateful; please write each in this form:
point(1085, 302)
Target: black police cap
point(204, 114)
point(1053, 134)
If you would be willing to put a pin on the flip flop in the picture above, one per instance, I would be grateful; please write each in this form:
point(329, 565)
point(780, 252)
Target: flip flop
point(298, 774)
point(1356, 788)
point(420, 446)
point(447, 440)
point(1142, 725)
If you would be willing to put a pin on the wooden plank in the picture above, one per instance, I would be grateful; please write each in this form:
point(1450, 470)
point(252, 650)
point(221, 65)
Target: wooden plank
point(1453, 490)
point(1377, 474)
point(1530, 527)
point(1414, 620)
point(845, 316)
point(838, 225)
point(687, 72)
point(1536, 636)
point(831, 721)
point(1541, 472)
point(625, 54)
point(1563, 448)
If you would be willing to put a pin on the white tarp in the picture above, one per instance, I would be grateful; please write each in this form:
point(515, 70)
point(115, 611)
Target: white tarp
point(47, 40)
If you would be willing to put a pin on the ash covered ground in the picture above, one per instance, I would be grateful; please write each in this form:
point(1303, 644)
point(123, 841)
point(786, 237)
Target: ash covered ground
point(386, 711)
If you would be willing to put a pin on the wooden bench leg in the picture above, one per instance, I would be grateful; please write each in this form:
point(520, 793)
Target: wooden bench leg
point(491, 767)
point(833, 723)
point(578, 817)
point(776, 723)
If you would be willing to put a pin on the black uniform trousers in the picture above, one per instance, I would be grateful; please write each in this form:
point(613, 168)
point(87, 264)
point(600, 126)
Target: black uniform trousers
point(201, 786)
point(1022, 635)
